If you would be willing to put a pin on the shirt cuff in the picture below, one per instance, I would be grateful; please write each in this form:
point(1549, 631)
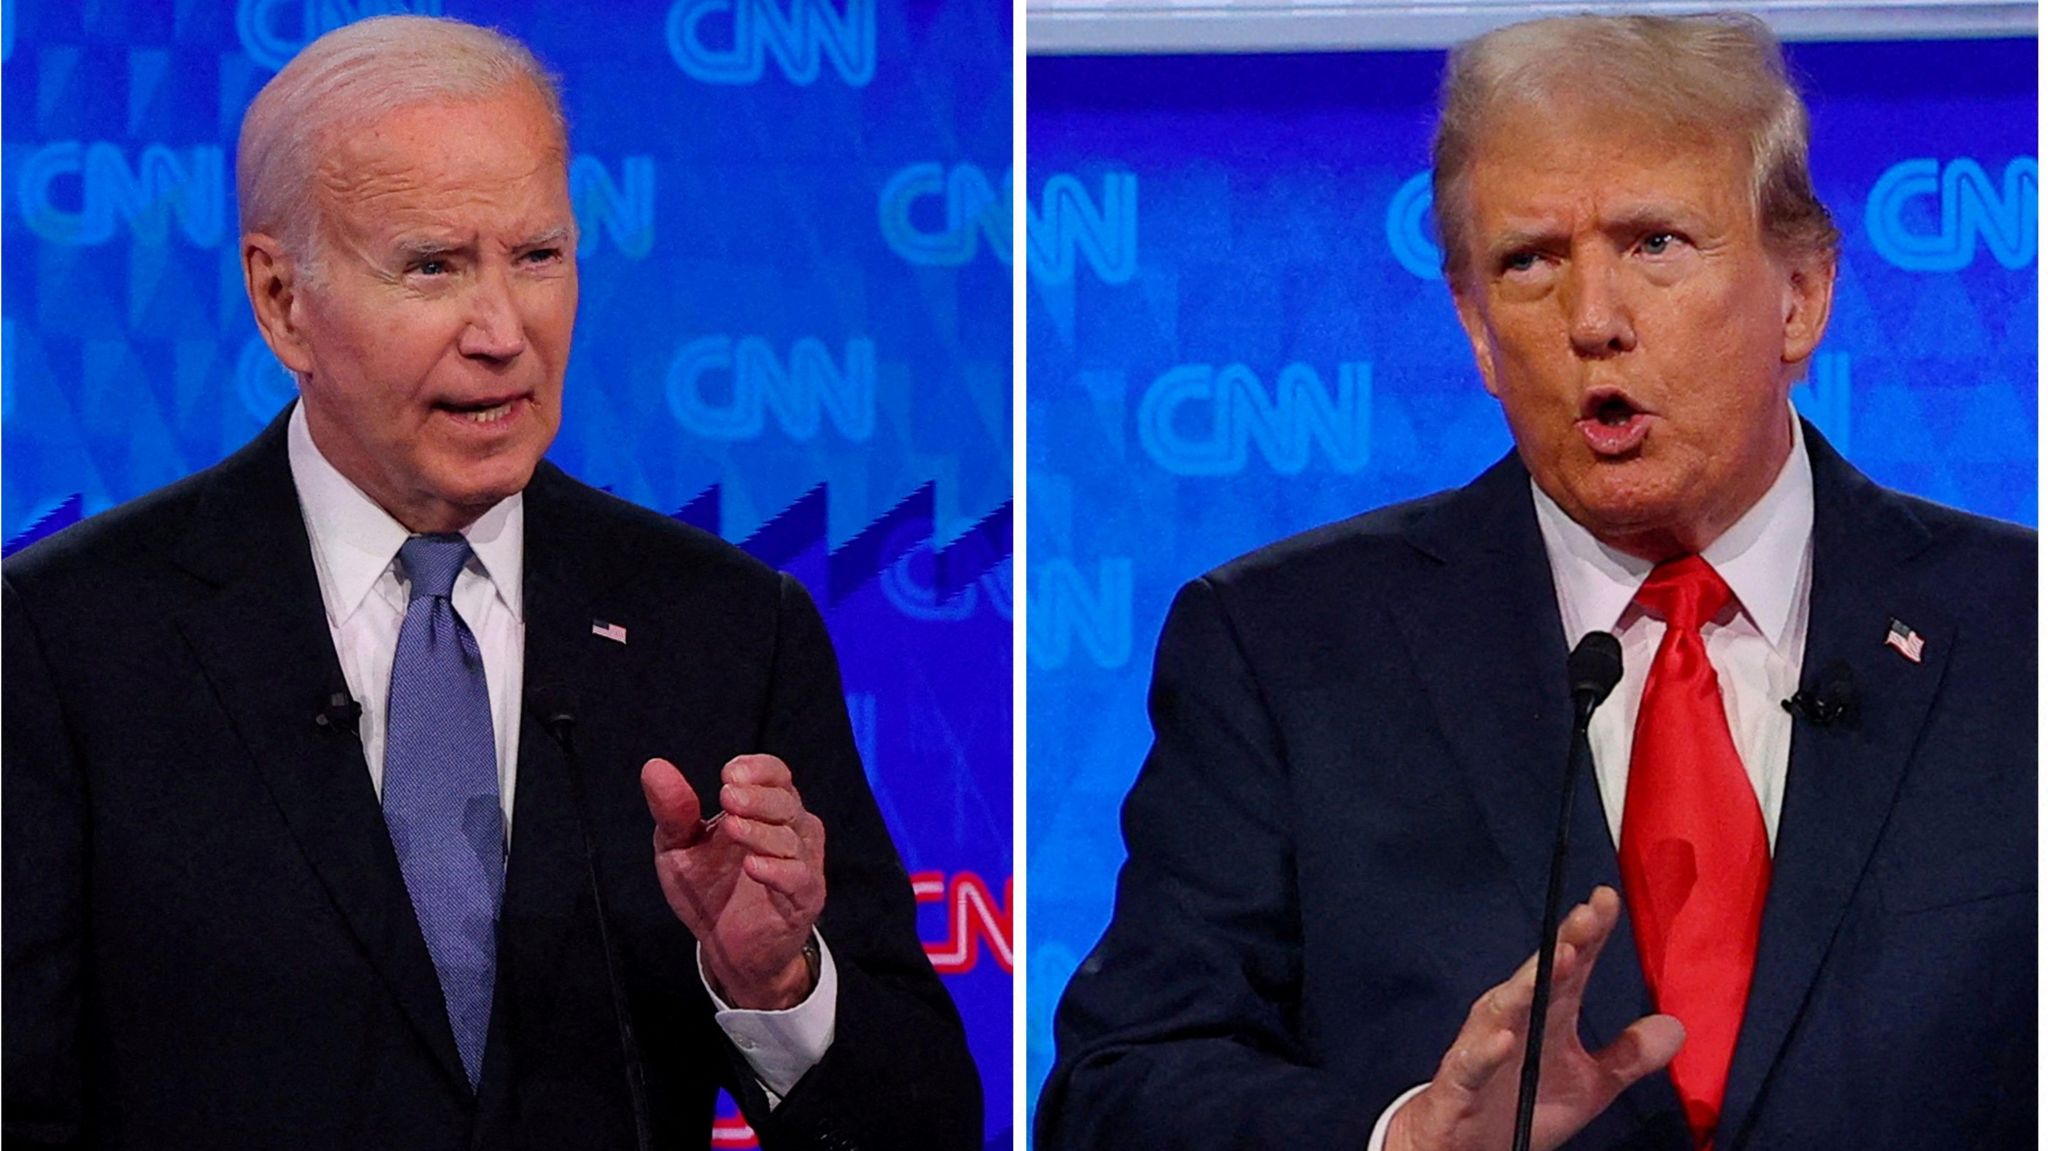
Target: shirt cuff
point(1379, 1130)
point(782, 1045)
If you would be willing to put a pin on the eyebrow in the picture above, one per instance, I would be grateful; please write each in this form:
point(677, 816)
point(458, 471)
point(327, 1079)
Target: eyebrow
point(1643, 217)
point(416, 247)
point(1628, 221)
point(553, 237)
point(1519, 239)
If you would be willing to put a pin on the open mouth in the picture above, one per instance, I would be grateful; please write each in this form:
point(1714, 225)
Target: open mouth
point(483, 412)
point(1614, 411)
point(1612, 423)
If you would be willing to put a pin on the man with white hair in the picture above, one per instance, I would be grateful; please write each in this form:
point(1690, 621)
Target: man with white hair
point(384, 787)
point(1814, 786)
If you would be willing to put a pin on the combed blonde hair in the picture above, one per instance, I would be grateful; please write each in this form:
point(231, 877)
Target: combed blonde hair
point(353, 76)
point(1713, 77)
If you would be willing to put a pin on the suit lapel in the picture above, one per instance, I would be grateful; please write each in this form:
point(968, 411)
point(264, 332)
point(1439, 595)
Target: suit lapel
point(262, 642)
point(1487, 641)
point(546, 876)
point(1841, 780)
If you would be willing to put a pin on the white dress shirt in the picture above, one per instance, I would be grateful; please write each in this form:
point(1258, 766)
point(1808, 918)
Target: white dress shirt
point(364, 589)
point(1756, 645)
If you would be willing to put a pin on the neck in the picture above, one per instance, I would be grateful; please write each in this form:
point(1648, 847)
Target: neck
point(1670, 541)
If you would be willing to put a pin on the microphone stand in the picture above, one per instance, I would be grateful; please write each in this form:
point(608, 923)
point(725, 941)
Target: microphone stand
point(560, 724)
point(1595, 667)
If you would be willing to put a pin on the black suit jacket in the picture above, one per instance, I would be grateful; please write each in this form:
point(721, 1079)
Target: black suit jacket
point(1342, 835)
point(208, 939)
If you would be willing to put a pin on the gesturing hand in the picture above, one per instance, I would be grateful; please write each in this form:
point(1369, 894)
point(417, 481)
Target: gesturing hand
point(749, 883)
point(1471, 1102)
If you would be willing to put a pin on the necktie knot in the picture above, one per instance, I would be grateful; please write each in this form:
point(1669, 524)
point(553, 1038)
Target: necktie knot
point(1684, 593)
point(433, 561)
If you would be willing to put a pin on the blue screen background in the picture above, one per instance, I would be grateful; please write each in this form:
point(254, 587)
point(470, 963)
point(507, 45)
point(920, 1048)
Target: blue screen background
point(757, 352)
point(1251, 226)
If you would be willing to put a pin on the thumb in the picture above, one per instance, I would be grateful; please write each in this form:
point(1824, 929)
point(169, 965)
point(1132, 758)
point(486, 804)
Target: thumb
point(673, 803)
point(1645, 1046)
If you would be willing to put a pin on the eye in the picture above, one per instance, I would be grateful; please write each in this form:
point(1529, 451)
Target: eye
point(1521, 261)
point(1661, 243)
point(431, 266)
point(543, 255)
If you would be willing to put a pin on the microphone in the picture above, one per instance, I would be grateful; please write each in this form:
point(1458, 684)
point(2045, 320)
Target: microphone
point(1593, 669)
point(1830, 702)
point(555, 709)
point(340, 713)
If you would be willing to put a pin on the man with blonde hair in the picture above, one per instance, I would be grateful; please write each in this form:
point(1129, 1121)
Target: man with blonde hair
point(1807, 849)
point(382, 786)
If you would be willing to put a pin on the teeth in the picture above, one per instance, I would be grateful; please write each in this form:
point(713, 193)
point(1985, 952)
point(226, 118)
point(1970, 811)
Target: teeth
point(489, 415)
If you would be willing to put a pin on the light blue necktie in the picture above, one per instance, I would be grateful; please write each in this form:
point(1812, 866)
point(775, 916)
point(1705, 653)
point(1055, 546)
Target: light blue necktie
point(441, 789)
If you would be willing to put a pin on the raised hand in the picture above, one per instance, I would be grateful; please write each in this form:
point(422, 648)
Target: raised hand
point(1470, 1104)
point(748, 883)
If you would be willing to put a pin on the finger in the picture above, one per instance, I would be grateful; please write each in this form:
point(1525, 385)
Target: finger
point(761, 804)
point(1589, 932)
point(1475, 1059)
point(792, 877)
point(760, 770)
point(771, 839)
point(1504, 1005)
point(1644, 1046)
point(1579, 936)
point(1586, 931)
point(811, 830)
point(672, 802)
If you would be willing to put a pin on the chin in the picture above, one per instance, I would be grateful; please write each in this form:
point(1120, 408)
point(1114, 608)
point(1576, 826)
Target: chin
point(480, 486)
point(1613, 512)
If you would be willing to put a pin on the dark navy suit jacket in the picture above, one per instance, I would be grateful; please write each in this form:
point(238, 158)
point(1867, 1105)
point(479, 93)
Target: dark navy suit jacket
point(1341, 837)
point(208, 940)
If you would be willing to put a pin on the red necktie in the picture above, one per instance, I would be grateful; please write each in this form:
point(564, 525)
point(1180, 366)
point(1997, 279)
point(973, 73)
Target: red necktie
point(1694, 860)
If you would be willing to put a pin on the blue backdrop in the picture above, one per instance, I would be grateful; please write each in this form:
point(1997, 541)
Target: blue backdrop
point(771, 344)
point(1237, 331)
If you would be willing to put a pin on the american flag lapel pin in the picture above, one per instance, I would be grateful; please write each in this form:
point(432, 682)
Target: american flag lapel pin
point(1898, 637)
point(611, 631)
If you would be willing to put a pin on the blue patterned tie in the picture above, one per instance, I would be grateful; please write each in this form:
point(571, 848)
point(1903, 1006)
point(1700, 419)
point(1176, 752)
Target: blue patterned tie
point(441, 789)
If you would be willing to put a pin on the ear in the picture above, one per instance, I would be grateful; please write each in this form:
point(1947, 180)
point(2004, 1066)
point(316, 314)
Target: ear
point(1808, 298)
point(272, 279)
point(1472, 317)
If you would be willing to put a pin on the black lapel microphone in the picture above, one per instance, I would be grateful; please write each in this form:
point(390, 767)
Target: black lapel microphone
point(340, 713)
point(1594, 668)
point(1830, 702)
point(555, 708)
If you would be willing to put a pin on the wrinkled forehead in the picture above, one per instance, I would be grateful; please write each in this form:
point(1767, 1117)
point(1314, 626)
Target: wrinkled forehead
point(1596, 118)
point(504, 152)
point(1591, 152)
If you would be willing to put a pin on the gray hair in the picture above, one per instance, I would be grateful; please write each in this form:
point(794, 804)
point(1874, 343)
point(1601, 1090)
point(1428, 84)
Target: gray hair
point(1714, 77)
point(354, 75)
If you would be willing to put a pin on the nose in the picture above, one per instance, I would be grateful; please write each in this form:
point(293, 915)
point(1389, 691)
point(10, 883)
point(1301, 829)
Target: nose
point(1596, 307)
point(494, 331)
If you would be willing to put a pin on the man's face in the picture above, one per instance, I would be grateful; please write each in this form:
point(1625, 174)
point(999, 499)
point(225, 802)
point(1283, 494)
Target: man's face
point(432, 342)
point(1639, 336)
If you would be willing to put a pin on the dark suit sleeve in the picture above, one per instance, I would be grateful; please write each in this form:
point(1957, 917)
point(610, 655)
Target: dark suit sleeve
point(1181, 1029)
point(898, 1074)
point(44, 896)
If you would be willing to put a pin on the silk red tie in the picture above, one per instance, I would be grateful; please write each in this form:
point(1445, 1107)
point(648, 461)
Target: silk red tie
point(1695, 863)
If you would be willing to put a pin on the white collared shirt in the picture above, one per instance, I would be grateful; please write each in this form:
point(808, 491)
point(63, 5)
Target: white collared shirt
point(355, 554)
point(363, 588)
point(1756, 645)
